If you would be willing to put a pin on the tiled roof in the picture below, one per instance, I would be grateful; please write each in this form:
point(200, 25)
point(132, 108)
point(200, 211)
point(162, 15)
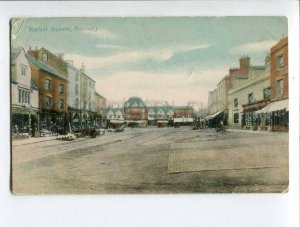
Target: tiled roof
point(41, 65)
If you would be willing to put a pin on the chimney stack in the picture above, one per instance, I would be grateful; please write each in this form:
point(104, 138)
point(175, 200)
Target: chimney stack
point(82, 68)
point(244, 65)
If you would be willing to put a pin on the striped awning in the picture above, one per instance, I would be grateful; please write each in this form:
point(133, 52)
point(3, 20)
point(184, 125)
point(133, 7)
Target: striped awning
point(212, 115)
point(274, 106)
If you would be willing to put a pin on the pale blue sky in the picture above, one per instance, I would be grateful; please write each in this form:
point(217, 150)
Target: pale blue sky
point(171, 59)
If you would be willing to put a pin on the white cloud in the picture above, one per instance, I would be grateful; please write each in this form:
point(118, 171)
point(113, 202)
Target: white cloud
point(128, 55)
point(179, 87)
point(254, 47)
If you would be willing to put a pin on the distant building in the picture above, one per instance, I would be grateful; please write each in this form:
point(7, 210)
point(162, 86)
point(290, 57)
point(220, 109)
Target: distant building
point(183, 115)
point(217, 108)
point(24, 94)
point(115, 113)
point(100, 109)
point(87, 96)
point(136, 111)
point(159, 113)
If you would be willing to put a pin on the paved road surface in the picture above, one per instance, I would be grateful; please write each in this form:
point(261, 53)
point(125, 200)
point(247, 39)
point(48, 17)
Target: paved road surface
point(154, 160)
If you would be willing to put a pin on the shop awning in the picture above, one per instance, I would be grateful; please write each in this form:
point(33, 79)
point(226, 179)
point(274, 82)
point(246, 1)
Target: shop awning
point(274, 106)
point(212, 116)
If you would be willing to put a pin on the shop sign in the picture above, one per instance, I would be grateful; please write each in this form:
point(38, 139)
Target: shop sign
point(255, 106)
point(20, 111)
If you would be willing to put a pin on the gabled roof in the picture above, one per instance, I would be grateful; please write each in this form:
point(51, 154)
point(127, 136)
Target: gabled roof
point(88, 76)
point(14, 53)
point(41, 65)
point(33, 85)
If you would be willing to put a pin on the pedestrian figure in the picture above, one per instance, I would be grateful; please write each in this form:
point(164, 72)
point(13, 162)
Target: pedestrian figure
point(16, 130)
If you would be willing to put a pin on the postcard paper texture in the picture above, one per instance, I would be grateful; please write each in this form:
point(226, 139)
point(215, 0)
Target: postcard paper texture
point(149, 105)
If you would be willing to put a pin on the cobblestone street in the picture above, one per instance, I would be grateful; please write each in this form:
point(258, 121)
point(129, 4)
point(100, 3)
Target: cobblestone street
point(153, 160)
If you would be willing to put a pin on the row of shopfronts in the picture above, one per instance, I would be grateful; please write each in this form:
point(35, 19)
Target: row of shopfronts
point(35, 123)
point(254, 97)
point(262, 115)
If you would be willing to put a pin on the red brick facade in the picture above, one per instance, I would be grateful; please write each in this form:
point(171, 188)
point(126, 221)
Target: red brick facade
point(279, 69)
point(183, 112)
point(40, 76)
point(244, 66)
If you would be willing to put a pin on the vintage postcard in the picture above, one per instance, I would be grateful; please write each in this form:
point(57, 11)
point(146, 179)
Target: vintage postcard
point(149, 105)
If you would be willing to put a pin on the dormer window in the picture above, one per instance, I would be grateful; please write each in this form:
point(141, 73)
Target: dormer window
point(45, 57)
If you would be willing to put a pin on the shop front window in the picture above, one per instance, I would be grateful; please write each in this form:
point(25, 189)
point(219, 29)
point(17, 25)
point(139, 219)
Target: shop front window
point(280, 117)
point(236, 118)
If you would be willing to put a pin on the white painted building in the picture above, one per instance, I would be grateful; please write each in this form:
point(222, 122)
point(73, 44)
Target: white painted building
point(24, 95)
point(251, 93)
point(74, 101)
point(73, 87)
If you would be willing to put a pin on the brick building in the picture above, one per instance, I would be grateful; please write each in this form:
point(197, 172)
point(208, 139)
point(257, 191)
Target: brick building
point(53, 102)
point(136, 111)
point(278, 109)
point(183, 115)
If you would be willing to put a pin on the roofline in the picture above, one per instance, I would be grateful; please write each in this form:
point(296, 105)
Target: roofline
point(88, 76)
point(61, 77)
